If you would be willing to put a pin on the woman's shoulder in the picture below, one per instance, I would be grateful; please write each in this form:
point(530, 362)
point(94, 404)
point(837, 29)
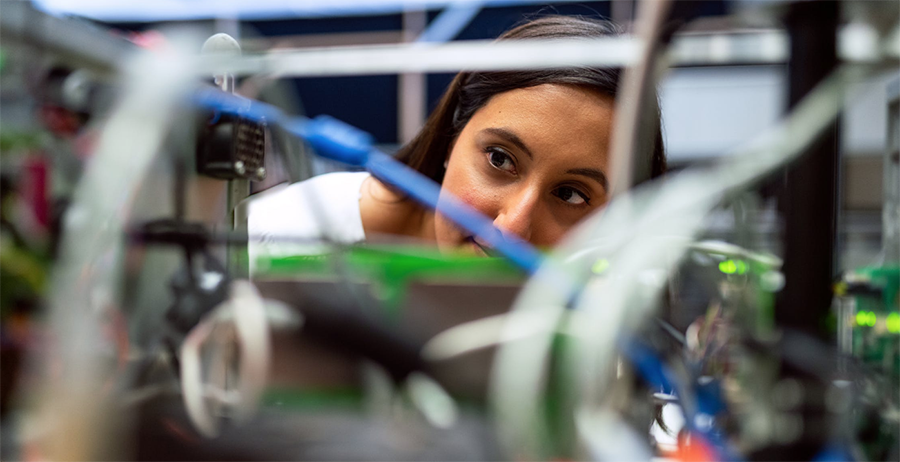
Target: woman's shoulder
point(386, 211)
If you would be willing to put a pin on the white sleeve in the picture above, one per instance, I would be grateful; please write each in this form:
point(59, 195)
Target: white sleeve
point(296, 219)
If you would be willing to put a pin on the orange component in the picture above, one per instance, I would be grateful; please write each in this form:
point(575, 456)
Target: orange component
point(692, 448)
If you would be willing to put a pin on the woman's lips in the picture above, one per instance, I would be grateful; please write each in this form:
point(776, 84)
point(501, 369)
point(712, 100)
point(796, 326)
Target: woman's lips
point(480, 249)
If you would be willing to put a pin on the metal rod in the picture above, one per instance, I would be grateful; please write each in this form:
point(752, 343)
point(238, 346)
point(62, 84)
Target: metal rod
point(808, 204)
point(79, 43)
point(411, 86)
point(485, 55)
point(809, 199)
point(890, 217)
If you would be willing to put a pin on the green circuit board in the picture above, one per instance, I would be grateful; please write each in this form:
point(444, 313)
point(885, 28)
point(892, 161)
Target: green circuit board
point(875, 319)
point(392, 268)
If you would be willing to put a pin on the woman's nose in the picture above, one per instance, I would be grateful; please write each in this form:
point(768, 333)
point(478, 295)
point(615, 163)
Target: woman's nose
point(516, 214)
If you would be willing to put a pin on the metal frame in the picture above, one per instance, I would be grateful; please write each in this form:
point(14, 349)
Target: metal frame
point(891, 185)
point(79, 42)
point(85, 250)
point(763, 47)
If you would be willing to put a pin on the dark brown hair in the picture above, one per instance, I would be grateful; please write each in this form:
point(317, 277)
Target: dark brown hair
point(470, 91)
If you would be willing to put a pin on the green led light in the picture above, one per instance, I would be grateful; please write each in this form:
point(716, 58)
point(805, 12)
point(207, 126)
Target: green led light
point(868, 318)
point(893, 323)
point(600, 266)
point(741, 267)
point(728, 267)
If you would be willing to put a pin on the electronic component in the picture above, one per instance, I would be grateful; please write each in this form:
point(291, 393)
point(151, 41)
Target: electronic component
point(231, 147)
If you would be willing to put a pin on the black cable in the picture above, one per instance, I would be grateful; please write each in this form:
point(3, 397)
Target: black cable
point(671, 330)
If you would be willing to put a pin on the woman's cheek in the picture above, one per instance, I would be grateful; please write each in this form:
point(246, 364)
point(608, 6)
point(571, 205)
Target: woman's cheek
point(474, 193)
point(464, 188)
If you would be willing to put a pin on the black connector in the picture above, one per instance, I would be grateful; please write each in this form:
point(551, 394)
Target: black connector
point(231, 148)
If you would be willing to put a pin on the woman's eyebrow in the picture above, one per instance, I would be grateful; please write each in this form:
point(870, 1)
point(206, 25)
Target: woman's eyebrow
point(593, 174)
point(511, 137)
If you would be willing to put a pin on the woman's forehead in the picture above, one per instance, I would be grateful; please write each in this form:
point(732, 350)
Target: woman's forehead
point(549, 118)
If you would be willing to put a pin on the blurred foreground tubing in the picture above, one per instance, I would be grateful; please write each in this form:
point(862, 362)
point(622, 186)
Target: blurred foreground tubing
point(78, 419)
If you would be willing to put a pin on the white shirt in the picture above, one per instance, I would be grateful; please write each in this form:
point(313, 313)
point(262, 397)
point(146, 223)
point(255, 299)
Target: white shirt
point(322, 208)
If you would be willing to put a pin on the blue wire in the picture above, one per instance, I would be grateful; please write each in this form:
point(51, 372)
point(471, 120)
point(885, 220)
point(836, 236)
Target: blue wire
point(428, 193)
point(658, 375)
point(230, 104)
point(651, 368)
point(833, 453)
point(450, 22)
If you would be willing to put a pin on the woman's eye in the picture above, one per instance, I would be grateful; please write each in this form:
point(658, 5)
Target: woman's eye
point(501, 160)
point(571, 196)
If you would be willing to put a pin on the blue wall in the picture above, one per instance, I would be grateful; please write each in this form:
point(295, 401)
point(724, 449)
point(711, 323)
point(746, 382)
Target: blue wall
point(370, 102)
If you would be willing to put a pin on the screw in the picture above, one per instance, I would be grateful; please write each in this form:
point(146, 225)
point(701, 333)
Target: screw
point(261, 173)
point(239, 168)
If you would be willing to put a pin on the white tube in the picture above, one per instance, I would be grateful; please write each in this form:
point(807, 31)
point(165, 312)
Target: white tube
point(635, 234)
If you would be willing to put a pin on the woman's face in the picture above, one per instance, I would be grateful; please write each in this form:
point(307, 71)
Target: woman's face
point(535, 160)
